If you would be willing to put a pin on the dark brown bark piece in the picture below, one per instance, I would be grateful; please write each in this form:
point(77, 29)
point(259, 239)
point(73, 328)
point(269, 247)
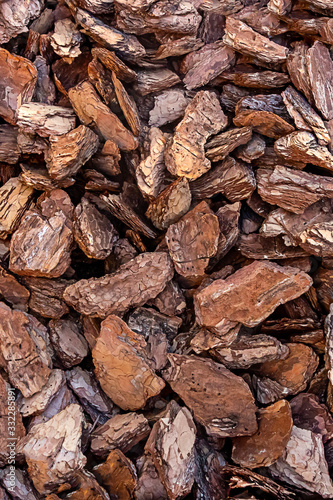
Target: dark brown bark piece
point(38, 178)
point(113, 63)
point(9, 150)
point(15, 200)
point(320, 70)
point(169, 105)
point(25, 348)
point(262, 20)
point(68, 152)
point(252, 150)
point(69, 345)
point(121, 367)
point(30, 143)
point(46, 296)
point(171, 204)
point(309, 414)
point(267, 445)
point(118, 475)
point(234, 179)
point(18, 485)
point(149, 484)
point(244, 39)
point(68, 75)
point(93, 231)
point(18, 80)
point(171, 300)
point(178, 47)
point(206, 388)
point(127, 105)
point(13, 292)
point(228, 217)
point(171, 447)
point(150, 173)
point(155, 80)
point(120, 432)
point(185, 155)
point(221, 145)
point(53, 449)
point(106, 160)
point(298, 70)
point(291, 189)
point(323, 280)
point(92, 112)
point(264, 123)
point(217, 308)
point(95, 181)
point(193, 240)
point(248, 350)
point(45, 90)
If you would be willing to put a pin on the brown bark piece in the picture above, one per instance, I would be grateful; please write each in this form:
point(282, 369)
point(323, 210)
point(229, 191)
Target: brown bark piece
point(66, 39)
point(149, 484)
point(234, 179)
point(323, 280)
point(93, 231)
point(68, 152)
point(291, 189)
point(95, 181)
point(169, 105)
point(113, 63)
point(193, 240)
point(228, 217)
point(221, 145)
point(303, 464)
point(25, 348)
point(171, 446)
point(15, 16)
point(13, 292)
point(9, 150)
point(106, 160)
point(249, 350)
point(38, 178)
point(206, 388)
point(264, 123)
point(252, 150)
point(309, 414)
point(69, 345)
point(171, 204)
point(92, 112)
point(303, 147)
point(178, 47)
point(185, 154)
point(45, 119)
point(53, 449)
point(280, 7)
point(45, 90)
point(118, 475)
point(171, 300)
point(246, 296)
point(261, 19)
point(320, 70)
point(68, 75)
point(244, 39)
point(15, 199)
point(298, 70)
point(121, 368)
point(155, 80)
point(127, 105)
point(248, 76)
point(120, 432)
point(46, 296)
point(267, 445)
point(151, 171)
point(30, 143)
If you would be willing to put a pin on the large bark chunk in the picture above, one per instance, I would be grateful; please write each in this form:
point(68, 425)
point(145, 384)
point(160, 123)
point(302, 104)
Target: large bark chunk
point(45, 119)
point(15, 198)
point(267, 445)
point(171, 446)
point(15, 15)
point(320, 70)
point(206, 388)
point(121, 432)
point(121, 367)
point(25, 348)
point(53, 449)
point(203, 117)
point(70, 151)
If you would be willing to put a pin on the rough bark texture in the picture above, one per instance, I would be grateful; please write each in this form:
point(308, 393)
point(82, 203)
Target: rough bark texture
point(45, 119)
point(15, 199)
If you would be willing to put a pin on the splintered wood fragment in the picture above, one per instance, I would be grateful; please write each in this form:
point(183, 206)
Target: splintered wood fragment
point(169, 105)
point(213, 59)
point(46, 296)
point(217, 309)
point(25, 348)
point(69, 345)
point(171, 204)
point(15, 15)
point(127, 105)
point(302, 460)
point(320, 70)
point(68, 152)
point(123, 211)
point(133, 284)
point(113, 63)
point(249, 350)
point(38, 178)
point(127, 46)
point(92, 112)
point(149, 483)
point(121, 367)
point(185, 156)
point(304, 115)
point(106, 160)
point(248, 76)
point(234, 179)
point(222, 144)
point(155, 80)
point(15, 200)
point(268, 444)
point(17, 85)
point(171, 447)
point(121, 432)
point(45, 119)
point(9, 150)
point(150, 172)
point(118, 475)
point(244, 39)
point(66, 39)
point(178, 47)
point(53, 449)
point(291, 189)
point(193, 240)
point(13, 292)
point(206, 388)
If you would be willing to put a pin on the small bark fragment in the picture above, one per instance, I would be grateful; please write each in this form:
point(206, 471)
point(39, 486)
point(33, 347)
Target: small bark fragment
point(127, 105)
point(46, 296)
point(150, 172)
point(15, 199)
point(149, 484)
point(171, 300)
point(169, 105)
point(248, 76)
point(252, 150)
point(106, 160)
point(121, 367)
point(221, 145)
point(45, 119)
point(9, 150)
point(155, 80)
point(118, 475)
point(15, 15)
point(113, 63)
point(309, 414)
point(45, 90)
point(69, 345)
point(39, 178)
point(13, 292)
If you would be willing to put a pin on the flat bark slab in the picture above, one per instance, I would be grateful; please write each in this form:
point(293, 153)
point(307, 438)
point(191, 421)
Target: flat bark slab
point(204, 386)
point(217, 308)
point(121, 367)
point(9, 148)
point(222, 144)
point(171, 447)
point(46, 296)
point(149, 482)
point(25, 349)
point(120, 432)
point(69, 345)
point(257, 246)
point(185, 156)
point(13, 292)
point(169, 105)
point(118, 475)
point(16, 198)
point(268, 444)
point(110, 60)
point(320, 70)
point(45, 119)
